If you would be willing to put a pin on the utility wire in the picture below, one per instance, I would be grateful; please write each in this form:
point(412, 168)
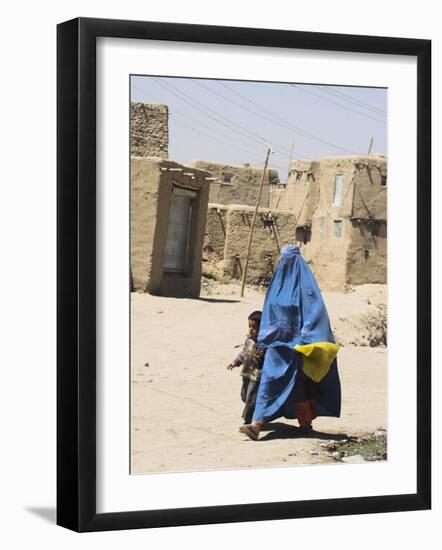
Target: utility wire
point(243, 131)
point(173, 111)
point(286, 125)
point(232, 145)
point(255, 162)
point(213, 137)
point(177, 94)
point(246, 133)
point(351, 99)
point(216, 130)
point(190, 101)
point(281, 125)
point(335, 103)
point(173, 115)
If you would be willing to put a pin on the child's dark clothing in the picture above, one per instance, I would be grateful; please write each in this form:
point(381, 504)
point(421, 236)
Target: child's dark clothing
point(251, 358)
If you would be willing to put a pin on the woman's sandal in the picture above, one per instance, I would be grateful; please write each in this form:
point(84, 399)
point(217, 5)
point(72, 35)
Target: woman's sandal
point(249, 432)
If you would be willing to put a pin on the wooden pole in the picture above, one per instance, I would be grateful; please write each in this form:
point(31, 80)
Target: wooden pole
point(252, 227)
point(290, 161)
point(370, 146)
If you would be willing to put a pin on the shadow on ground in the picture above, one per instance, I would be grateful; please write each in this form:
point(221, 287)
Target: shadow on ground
point(218, 300)
point(279, 430)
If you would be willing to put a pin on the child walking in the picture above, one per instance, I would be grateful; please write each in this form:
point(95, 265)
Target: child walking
point(251, 360)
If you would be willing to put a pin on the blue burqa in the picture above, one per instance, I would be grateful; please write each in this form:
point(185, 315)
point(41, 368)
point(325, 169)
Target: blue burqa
point(293, 313)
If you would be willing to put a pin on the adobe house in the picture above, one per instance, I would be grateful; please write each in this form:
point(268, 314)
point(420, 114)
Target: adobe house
point(149, 129)
point(340, 208)
point(237, 184)
point(227, 233)
point(168, 218)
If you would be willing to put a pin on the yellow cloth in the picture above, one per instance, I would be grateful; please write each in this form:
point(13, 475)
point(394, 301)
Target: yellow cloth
point(317, 358)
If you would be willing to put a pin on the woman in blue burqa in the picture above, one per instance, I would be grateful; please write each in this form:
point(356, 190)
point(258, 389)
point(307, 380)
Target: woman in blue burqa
point(300, 376)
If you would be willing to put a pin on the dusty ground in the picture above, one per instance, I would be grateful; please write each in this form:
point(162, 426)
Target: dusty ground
point(186, 408)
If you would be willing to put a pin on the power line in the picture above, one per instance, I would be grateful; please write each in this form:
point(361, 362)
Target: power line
point(175, 110)
point(351, 99)
point(335, 103)
point(173, 115)
point(283, 125)
point(286, 125)
point(189, 101)
point(232, 145)
point(216, 130)
point(243, 131)
point(262, 109)
point(213, 137)
point(255, 164)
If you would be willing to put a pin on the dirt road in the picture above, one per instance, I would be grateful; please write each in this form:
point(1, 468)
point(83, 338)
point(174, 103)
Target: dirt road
point(185, 405)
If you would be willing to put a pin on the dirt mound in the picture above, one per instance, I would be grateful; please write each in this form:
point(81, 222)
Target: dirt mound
point(358, 316)
point(360, 329)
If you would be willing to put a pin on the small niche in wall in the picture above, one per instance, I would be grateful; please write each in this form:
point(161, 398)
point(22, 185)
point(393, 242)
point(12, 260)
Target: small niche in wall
point(303, 234)
point(379, 229)
point(338, 228)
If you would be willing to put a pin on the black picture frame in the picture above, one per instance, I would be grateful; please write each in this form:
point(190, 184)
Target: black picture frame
point(77, 287)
